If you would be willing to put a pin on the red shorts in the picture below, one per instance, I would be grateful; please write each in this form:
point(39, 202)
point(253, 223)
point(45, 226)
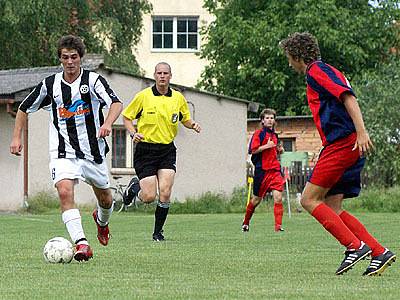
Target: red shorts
point(266, 181)
point(339, 168)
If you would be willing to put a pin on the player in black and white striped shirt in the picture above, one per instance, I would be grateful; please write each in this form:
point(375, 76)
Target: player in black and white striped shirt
point(77, 130)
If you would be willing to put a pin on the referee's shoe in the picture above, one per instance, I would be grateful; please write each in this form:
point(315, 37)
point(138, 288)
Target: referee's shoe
point(131, 191)
point(380, 263)
point(353, 256)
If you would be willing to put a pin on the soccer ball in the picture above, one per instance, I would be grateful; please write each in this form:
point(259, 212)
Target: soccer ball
point(58, 250)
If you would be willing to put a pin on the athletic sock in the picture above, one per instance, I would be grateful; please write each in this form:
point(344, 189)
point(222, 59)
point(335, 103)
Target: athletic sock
point(73, 222)
point(249, 213)
point(104, 214)
point(278, 213)
point(160, 215)
point(361, 233)
point(335, 226)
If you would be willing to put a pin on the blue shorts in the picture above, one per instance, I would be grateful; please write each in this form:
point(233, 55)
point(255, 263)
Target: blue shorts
point(350, 183)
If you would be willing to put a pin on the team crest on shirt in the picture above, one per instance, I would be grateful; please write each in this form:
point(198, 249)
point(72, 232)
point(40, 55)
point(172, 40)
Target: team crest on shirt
point(174, 118)
point(84, 89)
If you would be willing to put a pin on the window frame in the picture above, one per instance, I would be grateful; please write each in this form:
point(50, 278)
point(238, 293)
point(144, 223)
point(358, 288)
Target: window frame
point(175, 34)
point(129, 152)
point(289, 140)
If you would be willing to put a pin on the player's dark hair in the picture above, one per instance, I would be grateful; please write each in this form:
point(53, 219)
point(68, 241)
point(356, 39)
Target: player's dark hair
point(71, 42)
point(267, 111)
point(302, 45)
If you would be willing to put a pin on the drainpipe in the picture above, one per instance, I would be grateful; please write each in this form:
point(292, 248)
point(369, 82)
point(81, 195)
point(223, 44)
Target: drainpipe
point(26, 163)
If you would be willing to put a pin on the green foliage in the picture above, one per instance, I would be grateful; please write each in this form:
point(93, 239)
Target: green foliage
point(376, 200)
point(42, 202)
point(378, 93)
point(245, 60)
point(30, 29)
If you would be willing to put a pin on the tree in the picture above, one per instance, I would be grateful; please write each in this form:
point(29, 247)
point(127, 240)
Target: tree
point(30, 30)
point(378, 93)
point(245, 60)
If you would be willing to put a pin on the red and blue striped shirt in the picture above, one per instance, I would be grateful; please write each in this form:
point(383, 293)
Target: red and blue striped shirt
point(267, 159)
point(325, 85)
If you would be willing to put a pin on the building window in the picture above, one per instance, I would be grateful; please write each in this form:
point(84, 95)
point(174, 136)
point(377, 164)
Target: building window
point(175, 33)
point(122, 149)
point(289, 144)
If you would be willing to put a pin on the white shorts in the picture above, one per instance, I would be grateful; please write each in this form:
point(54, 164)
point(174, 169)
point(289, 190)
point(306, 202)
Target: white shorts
point(83, 169)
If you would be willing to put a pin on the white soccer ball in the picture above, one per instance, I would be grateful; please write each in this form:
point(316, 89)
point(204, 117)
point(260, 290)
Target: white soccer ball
point(58, 250)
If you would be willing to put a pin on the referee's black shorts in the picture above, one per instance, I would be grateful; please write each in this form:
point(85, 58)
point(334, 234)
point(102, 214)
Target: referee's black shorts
point(149, 158)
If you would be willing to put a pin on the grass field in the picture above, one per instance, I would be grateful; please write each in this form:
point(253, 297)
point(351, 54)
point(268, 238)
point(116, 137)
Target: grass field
point(204, 257)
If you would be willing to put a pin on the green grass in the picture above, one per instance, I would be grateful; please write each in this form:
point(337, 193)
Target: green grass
point(205, 257)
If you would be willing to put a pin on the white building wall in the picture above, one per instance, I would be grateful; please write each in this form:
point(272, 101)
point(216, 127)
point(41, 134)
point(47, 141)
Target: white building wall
point(186, 66)
point(11, 166)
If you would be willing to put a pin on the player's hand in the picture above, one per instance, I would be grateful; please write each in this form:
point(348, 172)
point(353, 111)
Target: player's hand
point(104, 131)
point(270, 143)
point(363, 143)
point(196, 127)
point(137, 137)
point(16, 147)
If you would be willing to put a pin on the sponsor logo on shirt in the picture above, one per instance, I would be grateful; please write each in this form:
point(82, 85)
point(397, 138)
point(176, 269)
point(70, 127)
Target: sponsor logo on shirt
point(78, 109)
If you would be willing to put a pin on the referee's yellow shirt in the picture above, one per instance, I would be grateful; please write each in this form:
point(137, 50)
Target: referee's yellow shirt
point(158, 114)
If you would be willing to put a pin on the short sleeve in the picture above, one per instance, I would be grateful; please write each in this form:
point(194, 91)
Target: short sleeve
point(326, 79)
point(133, 109)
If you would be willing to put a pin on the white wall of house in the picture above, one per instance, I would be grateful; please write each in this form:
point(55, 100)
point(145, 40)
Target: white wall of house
point(186, 66)
point(214, 160)
point(11, 166)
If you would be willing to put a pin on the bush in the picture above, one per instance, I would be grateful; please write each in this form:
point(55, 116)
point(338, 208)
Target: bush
point(376, 200)
point(42, 202)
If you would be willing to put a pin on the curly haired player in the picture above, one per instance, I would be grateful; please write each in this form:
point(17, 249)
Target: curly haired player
point(345, 141)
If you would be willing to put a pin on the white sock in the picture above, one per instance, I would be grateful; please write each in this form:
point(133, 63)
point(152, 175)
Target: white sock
point(72, 220)
point(104, 214)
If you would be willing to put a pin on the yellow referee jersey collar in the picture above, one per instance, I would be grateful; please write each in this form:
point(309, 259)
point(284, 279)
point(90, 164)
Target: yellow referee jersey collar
point(157, 93)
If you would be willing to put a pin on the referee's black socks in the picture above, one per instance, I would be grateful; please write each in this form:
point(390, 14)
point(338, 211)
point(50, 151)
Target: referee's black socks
point(160, 215)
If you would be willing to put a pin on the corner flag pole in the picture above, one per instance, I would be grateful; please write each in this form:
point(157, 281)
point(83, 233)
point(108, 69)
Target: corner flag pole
point(287, 178)
point(250, 184)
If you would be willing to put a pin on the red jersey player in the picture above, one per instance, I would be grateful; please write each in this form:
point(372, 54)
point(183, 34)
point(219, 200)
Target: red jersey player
point(345, 141)
point(264, 148)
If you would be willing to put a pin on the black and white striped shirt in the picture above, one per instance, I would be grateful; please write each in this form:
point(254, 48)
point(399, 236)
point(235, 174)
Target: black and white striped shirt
point(76, 114)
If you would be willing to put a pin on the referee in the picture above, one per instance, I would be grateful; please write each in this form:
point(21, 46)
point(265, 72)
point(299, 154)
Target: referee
point(158, 110)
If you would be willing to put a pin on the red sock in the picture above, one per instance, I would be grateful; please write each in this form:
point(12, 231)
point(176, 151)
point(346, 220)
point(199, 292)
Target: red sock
point(361, 233)
point(335, 226)
point(278, 213)
point(249, 213)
